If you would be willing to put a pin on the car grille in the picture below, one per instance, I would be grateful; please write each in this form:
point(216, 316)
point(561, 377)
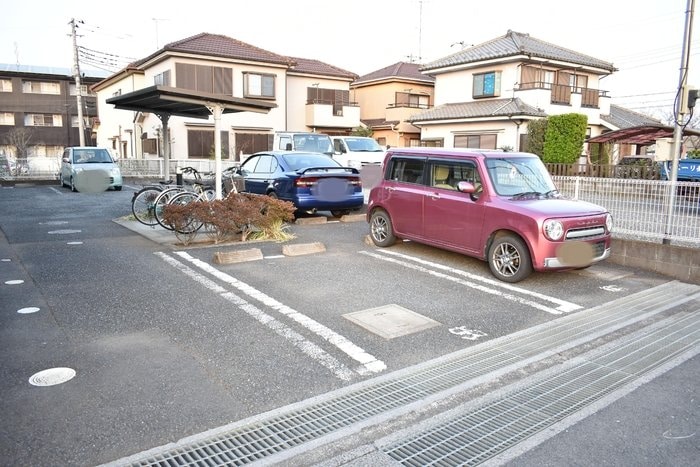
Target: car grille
point(583, 233)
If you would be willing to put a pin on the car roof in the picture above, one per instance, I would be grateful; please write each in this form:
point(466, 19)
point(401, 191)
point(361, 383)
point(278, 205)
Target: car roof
point(292, 153)
point(459, 152)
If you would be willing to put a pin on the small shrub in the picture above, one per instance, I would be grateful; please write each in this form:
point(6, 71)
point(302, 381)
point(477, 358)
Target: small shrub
point(243, 213)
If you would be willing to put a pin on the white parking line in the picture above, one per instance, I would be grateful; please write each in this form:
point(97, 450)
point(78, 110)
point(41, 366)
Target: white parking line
point(471, 284)
point(563, 305)
point(307, 347)
point(369, 363)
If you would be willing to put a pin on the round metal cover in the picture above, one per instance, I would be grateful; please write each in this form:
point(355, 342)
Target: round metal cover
point(52, 376)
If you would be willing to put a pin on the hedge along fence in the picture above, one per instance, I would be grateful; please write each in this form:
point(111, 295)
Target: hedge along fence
point(241, 216)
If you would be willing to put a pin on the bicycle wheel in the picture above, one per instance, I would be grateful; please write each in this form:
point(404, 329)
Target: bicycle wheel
point(189, 225)
point(159, 205)
point(143, 203)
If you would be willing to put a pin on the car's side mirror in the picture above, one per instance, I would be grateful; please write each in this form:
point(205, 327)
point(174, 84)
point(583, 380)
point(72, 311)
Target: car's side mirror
point(66, 160)
point(466, 187)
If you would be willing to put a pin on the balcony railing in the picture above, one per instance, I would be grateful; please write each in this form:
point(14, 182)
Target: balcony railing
point(561, 94)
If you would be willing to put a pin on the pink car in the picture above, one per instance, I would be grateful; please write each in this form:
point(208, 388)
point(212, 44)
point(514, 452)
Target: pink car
point(497, 206)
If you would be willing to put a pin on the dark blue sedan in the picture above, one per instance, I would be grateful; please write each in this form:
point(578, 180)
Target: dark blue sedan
point(311, 181)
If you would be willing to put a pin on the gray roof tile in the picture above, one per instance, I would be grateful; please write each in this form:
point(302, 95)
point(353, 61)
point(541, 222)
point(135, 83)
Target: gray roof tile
point(477, 109)
point(621, 118)
point(514, 44)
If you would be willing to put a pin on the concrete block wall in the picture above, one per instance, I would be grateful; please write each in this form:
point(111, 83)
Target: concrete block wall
point(674, 261)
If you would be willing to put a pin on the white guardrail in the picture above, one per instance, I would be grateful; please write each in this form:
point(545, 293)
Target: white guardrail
point(640, 208)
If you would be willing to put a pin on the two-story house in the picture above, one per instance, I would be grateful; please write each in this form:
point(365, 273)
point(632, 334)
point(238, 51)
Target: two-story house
point(41, 103)
point(309, 95)
point(388, 97)
point(486, 94)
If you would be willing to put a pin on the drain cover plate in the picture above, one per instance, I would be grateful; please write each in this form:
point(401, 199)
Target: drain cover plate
point(391, 321)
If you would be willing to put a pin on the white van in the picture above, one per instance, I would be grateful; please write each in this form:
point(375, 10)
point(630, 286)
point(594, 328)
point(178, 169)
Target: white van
point(303, 141)
point(355, 151)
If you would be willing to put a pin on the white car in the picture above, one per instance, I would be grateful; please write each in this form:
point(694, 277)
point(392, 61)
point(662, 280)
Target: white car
point(89, 169)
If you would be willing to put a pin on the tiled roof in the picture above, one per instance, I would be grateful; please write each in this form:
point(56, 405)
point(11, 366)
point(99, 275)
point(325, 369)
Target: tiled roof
point(515, 44)
point(307, 65)
point(217, 45)
point(620, 118)
point(379, 122)
point(399, 70)
point(477, 109)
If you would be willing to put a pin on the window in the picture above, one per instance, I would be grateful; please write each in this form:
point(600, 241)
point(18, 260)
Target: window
point(5, 85)
point(487, 84)
point(74, 121)
point(258, 85)
point(42, 120)
point(416, 101)
point(204, 78)
point(250, 143)
point(407, 170)
point(447, 174)
point(200, 143)
point(335, 97)
point(84, 90)
point(475, 141)
point(7, 118)
point(162, 79)
point(41, 87)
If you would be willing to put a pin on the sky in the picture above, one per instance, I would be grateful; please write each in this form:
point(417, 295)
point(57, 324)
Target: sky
point(643, 39)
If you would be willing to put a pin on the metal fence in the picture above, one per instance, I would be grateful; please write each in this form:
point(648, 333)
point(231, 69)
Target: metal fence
point(640, 208)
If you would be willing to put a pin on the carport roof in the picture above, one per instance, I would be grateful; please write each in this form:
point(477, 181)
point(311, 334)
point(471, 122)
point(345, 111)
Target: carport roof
point(642, 135)
point(185, 102)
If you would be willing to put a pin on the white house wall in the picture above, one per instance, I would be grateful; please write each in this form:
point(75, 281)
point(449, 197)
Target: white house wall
point(297, 86)
point(118, 125)
point(505, 131)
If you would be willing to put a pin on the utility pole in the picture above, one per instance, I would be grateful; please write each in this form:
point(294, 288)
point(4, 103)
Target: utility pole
point(78, 87)
point(679, 123)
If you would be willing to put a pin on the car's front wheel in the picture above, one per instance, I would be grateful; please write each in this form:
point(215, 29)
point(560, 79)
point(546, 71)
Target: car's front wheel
point(380, 229)
point(509, 259)
point(72, 185)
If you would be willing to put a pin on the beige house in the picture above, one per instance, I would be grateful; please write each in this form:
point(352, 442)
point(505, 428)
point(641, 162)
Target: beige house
point(485, 95)
point(309, 96)
point(388, 97)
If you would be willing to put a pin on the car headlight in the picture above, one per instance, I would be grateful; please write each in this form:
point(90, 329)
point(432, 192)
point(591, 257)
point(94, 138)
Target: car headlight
point(78, 170)
point(609, 223)
point(553, 229)
point(114, 172)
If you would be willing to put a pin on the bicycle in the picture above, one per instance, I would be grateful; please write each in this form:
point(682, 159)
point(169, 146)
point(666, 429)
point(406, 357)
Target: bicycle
point(143, 203)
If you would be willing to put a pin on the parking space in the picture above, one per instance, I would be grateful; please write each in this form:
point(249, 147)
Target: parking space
point(154, 331)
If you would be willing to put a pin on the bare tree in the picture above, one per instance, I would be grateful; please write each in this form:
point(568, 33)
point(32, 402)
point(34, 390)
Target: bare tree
point(20, 139)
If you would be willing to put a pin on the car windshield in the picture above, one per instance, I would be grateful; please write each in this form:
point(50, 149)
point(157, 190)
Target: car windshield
point(363, 144)
point(91, 156)
point(313, 143)
point(520, 176)
point(304, 161)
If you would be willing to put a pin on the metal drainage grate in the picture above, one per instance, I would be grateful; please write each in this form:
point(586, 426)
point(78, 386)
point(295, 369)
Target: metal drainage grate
point(499, 425)
point(249, 441)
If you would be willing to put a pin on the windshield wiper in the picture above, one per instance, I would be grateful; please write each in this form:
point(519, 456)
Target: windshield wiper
point(527, 194)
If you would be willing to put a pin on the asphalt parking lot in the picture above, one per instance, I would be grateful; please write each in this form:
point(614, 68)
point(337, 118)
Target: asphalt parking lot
point(167, 344)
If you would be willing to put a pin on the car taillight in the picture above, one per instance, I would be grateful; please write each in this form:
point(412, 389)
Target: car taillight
point(306, 182)
point(355, 181)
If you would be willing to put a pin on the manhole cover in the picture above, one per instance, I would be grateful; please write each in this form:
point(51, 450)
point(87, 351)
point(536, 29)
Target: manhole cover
point(52, 376)
point(391, 321)
point(29, 309)
point(14, 282)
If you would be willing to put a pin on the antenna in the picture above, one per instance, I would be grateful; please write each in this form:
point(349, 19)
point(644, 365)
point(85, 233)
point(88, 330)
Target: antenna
point(420, 30)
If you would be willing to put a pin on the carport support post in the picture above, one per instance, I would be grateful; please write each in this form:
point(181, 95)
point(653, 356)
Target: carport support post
point(217, 110)
point(166, 144)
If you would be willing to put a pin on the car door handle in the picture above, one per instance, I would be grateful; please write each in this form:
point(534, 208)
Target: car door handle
point(433, 195)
